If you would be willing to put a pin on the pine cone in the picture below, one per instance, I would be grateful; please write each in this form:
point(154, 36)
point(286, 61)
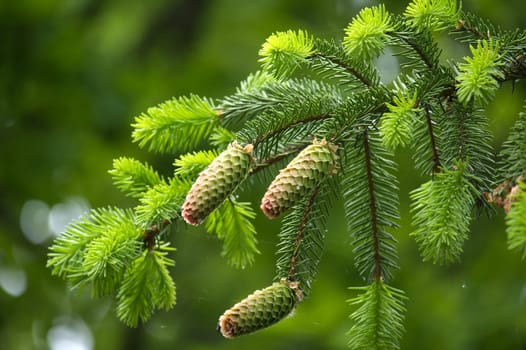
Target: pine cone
point(300, 177)
point(217, 182)
point(259, 310)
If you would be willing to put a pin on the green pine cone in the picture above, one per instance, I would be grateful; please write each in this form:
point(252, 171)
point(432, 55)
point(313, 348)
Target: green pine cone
point(300, 177)
point(259, 310)
point(217, 182)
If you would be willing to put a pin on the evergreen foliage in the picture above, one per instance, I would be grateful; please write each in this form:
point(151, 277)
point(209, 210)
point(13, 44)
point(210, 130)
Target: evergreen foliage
point(516, 219)
point(232, 223)
point(366, 35)
point(442, 214)
point(378, 317)
point(311, 89)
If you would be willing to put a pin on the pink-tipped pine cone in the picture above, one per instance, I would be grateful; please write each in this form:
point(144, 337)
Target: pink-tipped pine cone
point(299, 178)
point(217, 182)
point(259, 310)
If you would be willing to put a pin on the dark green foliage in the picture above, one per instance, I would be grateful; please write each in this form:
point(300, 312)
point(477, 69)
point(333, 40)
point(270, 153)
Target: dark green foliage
point(513, 152)
point(370, 198)
point(302, 238)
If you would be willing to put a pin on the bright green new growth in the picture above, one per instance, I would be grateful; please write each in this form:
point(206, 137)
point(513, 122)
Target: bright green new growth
point(516, 219)
point(232, 223)
point(435, 108)
point(442, 214)
point(283, 52)
point(176, 125)
point(366, 35)
point(133, 177)
point(478, 78)
point(433, 15)
point(397, 125)
point(147, 286)
point(189, 165)
point(259, 310)
point(96, 249)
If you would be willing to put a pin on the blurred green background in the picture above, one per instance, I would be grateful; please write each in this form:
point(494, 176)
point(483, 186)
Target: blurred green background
point(74, 73)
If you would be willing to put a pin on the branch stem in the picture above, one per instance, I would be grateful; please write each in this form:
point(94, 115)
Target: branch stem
point(306, 119)
point(434, 149)
point(353, 71)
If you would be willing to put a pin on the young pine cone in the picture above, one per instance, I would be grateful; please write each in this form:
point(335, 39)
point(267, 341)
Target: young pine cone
point(259, 310)
point(300, 177)
point(217, 182)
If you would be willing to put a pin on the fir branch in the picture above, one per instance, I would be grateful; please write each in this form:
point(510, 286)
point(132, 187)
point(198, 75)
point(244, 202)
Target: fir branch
point(366, 36)
point(300, 234)
point(309, 105)
point(370, 202)
point(513, 154)
point(221, 138)
point(432, 139)
point(431, 89)
point(107, 256)
point(379, 317)
point(282, 128)
point(479, 76)
point(432, 15)
point(176, 125)
point(276, 158)
point(189, 165)
point(397, 125)
point(516, 219)
point(377, 272)
point(420, 48)
point(162, 202)
point(442, 214)
point(275, 98)
point(466, 137)
point(283, 52)
point(359, 111)
point(132, 177)
point(471, 28)
point(302, 238)
point(147, 287)
point(232, 222)
point(66, 255)
point(331, 61)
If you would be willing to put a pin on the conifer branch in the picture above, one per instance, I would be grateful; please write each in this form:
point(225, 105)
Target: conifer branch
point(377, 273)
point(348, 68)
point(430, 127)
point(411, 41)
point(301, 233)
point(303, 120)
point(265, 163)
